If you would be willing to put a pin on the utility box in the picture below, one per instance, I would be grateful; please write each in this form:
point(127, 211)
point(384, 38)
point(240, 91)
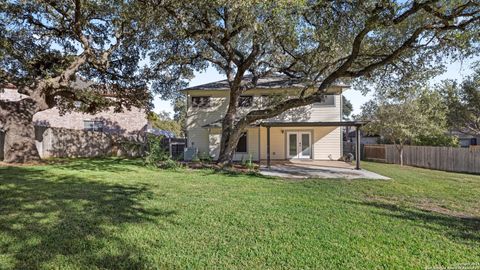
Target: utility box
point(190, 153)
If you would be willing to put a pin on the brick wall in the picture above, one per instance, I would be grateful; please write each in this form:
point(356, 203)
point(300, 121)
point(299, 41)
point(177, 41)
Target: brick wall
point(61, 142)
point(128, 122)
point(66, 136)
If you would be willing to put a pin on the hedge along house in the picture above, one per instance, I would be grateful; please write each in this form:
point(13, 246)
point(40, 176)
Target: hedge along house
point(310, 132)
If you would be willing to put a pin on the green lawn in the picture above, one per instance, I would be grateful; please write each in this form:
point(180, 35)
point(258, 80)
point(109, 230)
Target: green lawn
point(117, 214)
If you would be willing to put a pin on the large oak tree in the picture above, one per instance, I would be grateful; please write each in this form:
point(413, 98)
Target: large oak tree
point(65, 53)
point(317, 43)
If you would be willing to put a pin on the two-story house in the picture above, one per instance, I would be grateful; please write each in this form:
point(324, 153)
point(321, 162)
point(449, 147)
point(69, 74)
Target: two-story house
point(309, 132)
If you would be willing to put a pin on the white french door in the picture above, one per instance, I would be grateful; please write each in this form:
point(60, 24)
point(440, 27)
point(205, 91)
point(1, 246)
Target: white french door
point(299, 144)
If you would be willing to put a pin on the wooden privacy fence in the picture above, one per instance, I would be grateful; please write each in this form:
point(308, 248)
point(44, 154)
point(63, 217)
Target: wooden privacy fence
point(438, 158)
point(374, 152)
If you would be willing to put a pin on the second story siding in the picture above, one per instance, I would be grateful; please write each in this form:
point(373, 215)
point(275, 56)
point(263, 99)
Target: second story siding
point(198, 116)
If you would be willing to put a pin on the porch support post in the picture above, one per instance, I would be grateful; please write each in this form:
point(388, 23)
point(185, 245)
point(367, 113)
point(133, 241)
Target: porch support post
point(268, 147)
point(357, 148)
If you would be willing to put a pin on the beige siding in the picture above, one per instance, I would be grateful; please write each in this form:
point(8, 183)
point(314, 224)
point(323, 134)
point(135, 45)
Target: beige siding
point(326, 142)
point(199, 138)
point(213, 143)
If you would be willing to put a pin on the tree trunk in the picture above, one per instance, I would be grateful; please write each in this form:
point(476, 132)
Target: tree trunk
point(230, 129)
point(228, 144)
point(17, 122)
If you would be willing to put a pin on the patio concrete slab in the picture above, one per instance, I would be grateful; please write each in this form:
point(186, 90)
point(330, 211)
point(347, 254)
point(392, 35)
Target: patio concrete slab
point(317, 169)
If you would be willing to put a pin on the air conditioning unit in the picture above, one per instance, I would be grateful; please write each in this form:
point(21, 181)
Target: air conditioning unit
point(190, 153)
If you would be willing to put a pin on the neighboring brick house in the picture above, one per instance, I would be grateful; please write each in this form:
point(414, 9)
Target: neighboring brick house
point(129, 123)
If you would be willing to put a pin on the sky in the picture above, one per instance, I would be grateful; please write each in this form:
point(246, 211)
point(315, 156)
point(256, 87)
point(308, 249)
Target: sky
point(456, 71)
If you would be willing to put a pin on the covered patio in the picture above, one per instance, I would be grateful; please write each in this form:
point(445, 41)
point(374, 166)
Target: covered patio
point(356, 124)
point(311, 168)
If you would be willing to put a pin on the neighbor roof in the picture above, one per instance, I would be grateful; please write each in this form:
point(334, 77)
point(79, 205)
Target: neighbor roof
point(269, 82)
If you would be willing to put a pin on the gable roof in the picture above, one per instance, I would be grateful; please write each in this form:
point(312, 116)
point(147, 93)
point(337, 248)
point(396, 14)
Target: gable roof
point(276, 81)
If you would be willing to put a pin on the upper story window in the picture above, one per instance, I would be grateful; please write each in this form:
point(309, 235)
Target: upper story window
point(92, 125)
point(200, 102)
point(245, 101)
point(329, 101)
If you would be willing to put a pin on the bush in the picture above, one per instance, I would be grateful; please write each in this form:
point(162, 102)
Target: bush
point(170, 164)
point(130, 148)
point(156, 152)
point(249, 164)
point(205, 157)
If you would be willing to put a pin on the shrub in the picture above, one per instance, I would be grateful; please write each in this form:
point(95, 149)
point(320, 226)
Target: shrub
point(205, 157)
point(130, 148)
point(170, 164)
point(156, 152)
point(249, 164)
point(195, 159)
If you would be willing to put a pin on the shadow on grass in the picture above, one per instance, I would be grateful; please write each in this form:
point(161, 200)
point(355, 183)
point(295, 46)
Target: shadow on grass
point(458, 228)
point(47, 218)
point(96, 164)
point(233, 173)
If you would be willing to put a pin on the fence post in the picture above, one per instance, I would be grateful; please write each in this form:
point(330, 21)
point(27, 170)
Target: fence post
point(357, 148)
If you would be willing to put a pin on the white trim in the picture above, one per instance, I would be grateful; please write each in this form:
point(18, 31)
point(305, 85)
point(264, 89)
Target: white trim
point(298, 144)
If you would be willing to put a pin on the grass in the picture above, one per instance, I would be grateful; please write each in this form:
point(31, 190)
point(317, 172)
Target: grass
point(87, 214)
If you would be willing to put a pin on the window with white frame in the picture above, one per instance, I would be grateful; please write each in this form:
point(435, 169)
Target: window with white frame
point(93, 125)
point(329, 100)
point(201, 102)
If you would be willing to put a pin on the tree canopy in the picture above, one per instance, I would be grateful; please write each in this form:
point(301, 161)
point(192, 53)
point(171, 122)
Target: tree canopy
point(164, 122)
point(48, 46)
point(463, 101)
point(73, 55)
point(415, 118)
point(318, 43)
point(347, 108)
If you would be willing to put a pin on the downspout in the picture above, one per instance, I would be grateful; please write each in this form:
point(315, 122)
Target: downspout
point(259, 144)
point(341, 120)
